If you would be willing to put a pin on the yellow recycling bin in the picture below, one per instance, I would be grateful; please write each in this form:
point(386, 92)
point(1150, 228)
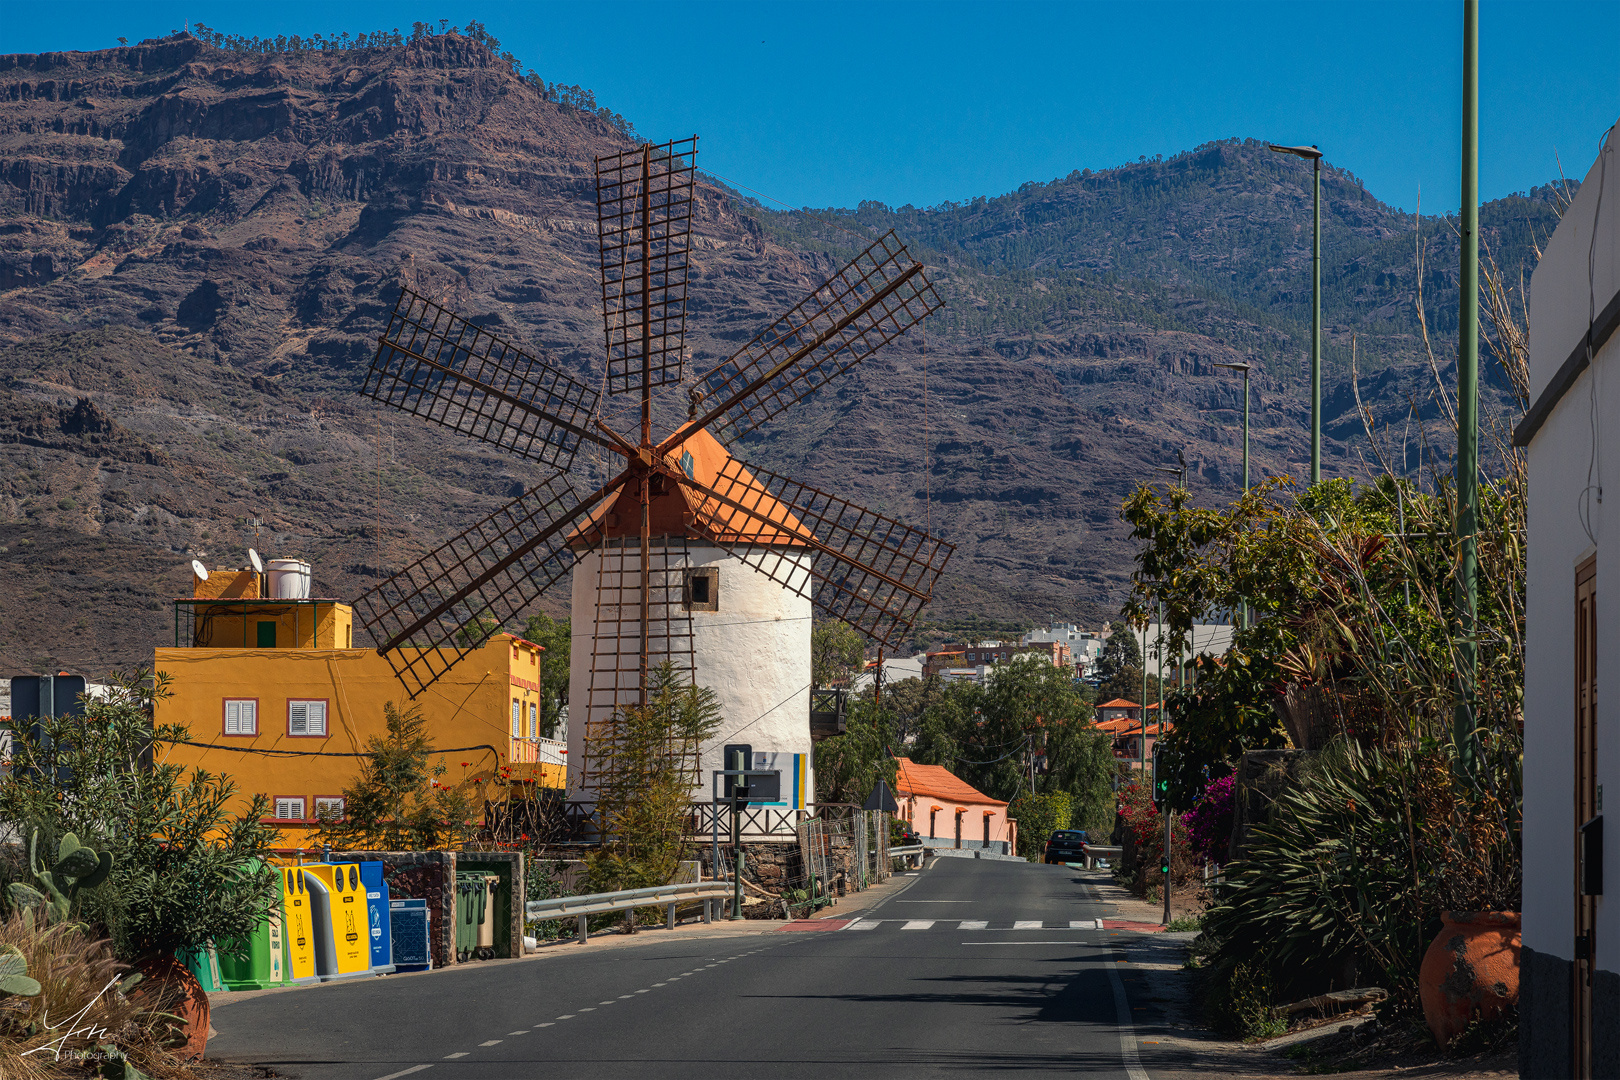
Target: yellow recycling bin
point(298, 932)
point(342, 923)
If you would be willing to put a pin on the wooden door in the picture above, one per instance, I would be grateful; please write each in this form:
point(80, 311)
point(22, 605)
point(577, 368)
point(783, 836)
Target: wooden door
point(1586, 807)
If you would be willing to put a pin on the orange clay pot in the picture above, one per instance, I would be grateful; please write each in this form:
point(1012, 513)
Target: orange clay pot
point(171, 987)
point(1471, 970)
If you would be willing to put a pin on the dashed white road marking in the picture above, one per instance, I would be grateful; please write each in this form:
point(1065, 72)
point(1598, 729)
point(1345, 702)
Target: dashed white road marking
point(404, 1072)
point(591, 1009)
point(973, 924)
point(865, 924)
point(566, 1016)
point(1084, 924)
point(491, 1042)
point(525, 1031)
point(458, 1053)
point(548, 1023)
point(917, 924)
point(1027, 924)
point(639, 992)
point(661, 984)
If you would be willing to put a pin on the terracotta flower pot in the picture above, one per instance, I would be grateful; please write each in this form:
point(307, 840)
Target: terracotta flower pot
point(171, 987)
point(1471, 970)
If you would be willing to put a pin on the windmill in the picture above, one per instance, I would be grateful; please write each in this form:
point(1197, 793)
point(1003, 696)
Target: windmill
point(646, 543)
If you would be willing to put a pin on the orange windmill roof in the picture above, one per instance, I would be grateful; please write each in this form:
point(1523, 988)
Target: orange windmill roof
point(676, 510)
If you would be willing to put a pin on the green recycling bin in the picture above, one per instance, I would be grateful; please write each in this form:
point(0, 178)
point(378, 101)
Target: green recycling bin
point(203, 961)
point(472, 910)
point(256, 964)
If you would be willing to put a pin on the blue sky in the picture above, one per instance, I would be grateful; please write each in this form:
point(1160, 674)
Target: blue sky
point(827, 104)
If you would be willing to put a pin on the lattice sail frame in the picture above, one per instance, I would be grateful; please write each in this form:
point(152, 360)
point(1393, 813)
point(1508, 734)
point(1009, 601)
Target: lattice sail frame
point(434, 364)
point(615, 673)
point(871, 571)
point(491, 556)
point(822, 321)
point(644, 229)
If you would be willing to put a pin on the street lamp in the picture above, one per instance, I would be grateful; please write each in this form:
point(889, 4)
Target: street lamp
point(1314, 156)
point(1245, 369)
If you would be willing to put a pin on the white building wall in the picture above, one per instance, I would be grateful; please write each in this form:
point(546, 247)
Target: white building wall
point(753, 652)
point(1585, 422)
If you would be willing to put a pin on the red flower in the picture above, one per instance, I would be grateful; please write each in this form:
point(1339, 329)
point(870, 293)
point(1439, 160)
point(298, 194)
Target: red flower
point(464, 764)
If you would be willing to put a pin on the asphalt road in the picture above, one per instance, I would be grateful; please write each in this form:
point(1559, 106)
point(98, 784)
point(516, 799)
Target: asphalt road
point(973, 969)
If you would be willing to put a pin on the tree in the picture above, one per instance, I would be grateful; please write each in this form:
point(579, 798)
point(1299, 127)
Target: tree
point(644, 764)
point(184, 868)
point(397, 802)
point(1127, 684)
point(1120, 652)
point(849, 766)
point(477, 630)
point(554, 635)
point(837, 651)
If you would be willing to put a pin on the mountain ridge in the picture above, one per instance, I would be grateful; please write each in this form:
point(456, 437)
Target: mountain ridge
point(198, 248)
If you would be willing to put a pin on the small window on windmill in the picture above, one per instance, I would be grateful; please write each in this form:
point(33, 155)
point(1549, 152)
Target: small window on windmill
point(702, 592)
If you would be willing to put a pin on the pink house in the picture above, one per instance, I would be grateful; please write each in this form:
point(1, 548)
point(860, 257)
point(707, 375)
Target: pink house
point(947, 812)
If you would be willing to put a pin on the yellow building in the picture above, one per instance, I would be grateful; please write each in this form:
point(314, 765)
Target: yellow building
point(289, 719)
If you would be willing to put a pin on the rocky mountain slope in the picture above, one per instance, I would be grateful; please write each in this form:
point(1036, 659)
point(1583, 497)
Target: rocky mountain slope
point(198, 249)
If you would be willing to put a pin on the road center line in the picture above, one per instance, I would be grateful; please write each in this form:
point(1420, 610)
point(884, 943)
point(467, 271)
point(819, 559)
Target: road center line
point(491, 1042)
point(458, 1053)
point(405, 1072)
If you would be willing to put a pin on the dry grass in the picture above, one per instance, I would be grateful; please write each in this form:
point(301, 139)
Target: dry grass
point(81, 1018)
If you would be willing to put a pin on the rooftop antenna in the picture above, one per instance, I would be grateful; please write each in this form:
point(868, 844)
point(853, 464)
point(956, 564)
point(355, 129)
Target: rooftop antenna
point(199, 569)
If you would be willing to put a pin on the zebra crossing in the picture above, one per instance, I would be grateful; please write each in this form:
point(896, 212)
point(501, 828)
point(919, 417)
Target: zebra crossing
point(976, 924)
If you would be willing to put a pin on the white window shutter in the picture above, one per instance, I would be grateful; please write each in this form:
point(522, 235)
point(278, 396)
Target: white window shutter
point(298, 718)
point(317, 718)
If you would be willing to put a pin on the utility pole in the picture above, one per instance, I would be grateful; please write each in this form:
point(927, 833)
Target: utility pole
point(1468, 401)
point(1314, 156)
point(1244, 617)
point(1159, 742)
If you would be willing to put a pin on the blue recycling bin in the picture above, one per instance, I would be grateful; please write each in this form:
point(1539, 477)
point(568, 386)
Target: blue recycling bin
point(409, 935)
point(382, 945)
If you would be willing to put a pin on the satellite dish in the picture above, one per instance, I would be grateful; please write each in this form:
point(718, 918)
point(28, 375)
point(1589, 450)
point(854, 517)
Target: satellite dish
point(200, 570)
point(258, 563)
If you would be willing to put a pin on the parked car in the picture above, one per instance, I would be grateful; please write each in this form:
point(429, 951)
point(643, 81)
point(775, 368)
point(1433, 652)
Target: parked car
point(908, 838)
point(1066, 846)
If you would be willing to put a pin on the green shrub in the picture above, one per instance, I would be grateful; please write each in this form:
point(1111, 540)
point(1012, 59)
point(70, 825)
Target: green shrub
point(1038, 817)
point(1238, 1002)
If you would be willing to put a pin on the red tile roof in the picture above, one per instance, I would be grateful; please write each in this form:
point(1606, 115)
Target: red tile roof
point(1119, 703)
point(938, 782)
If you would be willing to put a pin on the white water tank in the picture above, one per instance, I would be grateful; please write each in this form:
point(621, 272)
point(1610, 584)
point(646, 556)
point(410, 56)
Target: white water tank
point(288, 579)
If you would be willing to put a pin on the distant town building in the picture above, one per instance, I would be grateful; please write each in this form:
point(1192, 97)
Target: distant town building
point(1085, 646)
point(989, 653)
point(1119, 709)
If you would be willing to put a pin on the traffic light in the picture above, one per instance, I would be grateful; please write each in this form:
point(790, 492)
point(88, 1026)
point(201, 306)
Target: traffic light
point(1161, 780)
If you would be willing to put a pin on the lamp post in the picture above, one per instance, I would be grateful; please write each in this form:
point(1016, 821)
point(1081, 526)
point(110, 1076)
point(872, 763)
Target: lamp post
point(1314, 156)
point(1466, 595)
point(1245, 369)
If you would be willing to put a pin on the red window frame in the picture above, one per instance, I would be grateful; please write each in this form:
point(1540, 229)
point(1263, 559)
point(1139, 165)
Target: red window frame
point(300, 820)
point(237, 734)
point(327, 720)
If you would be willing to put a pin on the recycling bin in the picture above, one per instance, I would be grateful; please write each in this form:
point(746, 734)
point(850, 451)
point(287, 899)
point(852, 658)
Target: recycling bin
point(342, 931)
point(298, 928)
point(203, 960)
point(255, 964)
point(485, 949)
point(408, 931)
point(377, 914)
point(472, 900)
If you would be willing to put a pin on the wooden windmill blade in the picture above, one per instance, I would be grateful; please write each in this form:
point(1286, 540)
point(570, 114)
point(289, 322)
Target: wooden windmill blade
point(871, 571)
point(644, 228)
point(434, 364)
point(428, 616)
point(880, 295)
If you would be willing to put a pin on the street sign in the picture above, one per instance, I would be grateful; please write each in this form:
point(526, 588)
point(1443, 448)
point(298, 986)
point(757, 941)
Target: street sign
point(881, 799)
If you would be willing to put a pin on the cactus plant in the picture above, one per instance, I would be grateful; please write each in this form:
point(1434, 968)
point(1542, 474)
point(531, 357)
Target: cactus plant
point(14, 980)
point(78, 866)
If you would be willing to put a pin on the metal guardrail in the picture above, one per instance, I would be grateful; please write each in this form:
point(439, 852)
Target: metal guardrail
point(665, 896)
point(907, 852)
